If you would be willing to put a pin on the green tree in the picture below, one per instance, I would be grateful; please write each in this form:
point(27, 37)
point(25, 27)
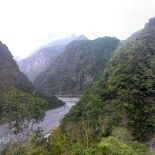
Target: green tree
point(59, 144)
point(22, 110)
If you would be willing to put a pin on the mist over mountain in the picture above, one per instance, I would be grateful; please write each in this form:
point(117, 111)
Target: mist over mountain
point(64, 41)
point(77, 67)
point(41, 58)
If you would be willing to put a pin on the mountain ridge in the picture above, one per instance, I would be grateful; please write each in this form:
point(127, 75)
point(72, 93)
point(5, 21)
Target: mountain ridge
point(12, 78)
point(124, 95)
point(41, 58)
point(77, 66)
point(10, 75)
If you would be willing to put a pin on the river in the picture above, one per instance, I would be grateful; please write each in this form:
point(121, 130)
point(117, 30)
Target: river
point(52, 118)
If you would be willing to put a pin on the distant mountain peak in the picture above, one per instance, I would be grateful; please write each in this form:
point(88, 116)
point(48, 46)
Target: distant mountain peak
point(66, 40)
point(77, 67)
point(81, 37)
point(42, 57)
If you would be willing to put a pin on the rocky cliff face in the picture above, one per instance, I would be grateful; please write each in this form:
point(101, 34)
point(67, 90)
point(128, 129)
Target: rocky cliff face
point(42, 58)
point(35, 64)
point(10, 76)
point(76, 68)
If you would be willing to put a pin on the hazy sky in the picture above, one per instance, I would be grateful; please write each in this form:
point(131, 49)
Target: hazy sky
point(26, 24)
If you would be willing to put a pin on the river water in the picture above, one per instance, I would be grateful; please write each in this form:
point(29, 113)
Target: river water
point(54, 116)
point(51, 120)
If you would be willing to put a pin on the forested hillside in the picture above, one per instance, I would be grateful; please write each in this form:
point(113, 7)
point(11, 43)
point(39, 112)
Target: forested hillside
point(11, 78)
point(41, 58)
point(115, 116)
point(122, 101)
point(77, 67)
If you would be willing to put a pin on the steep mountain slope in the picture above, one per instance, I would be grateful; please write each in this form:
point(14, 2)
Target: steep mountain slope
point(124, 97)
point(33, 65)
point(116, 115)
point(41, 58)
point(10, 76)
point(77, 66)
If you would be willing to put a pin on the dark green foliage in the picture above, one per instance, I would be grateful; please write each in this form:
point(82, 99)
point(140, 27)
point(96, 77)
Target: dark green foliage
point(116, 115)
point(13, 149)
point(22, 83)
point(124, 96)
point(20, 109)
point(77, 67)
point(10, 76)
point(130, 80)
point(112, 146)
point(52, 101)
point(60, 144)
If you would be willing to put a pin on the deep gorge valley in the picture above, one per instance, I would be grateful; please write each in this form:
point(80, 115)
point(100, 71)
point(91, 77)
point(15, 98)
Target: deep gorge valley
point(116, 81)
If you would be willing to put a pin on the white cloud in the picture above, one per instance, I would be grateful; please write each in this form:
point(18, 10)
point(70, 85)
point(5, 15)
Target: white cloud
point(24, 23)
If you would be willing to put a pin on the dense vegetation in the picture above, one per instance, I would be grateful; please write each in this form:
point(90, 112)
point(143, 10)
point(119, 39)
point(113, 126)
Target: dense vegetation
point(116, 115)
point(20, 108)
point(52, 101)
point(124, 97)
point(42, 57)
point(11, 78)
point(20, 104)
point(77, 67)
point(60, 144)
